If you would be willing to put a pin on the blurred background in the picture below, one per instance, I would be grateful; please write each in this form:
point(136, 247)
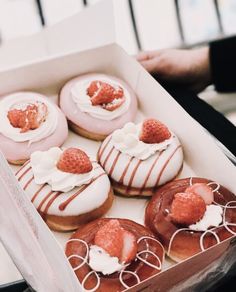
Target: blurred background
point(145, 25)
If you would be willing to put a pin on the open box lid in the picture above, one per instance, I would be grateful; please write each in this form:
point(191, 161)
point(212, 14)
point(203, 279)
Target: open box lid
point(92, 27)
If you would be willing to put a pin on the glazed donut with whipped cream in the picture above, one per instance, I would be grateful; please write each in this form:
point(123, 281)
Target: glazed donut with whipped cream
point(29, 122)
point(66, 187)
point(190, 215)
point(97, 104)
point(139, 158)
point(113, 254)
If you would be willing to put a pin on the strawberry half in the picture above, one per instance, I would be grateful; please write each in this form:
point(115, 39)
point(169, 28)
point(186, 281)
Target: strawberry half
point(153, 131)
point(130, 247)
point(202, 190)
point(187, 208)
point(109, 237)
point(29, 118)
point(102, 93)
point(74, 160)
point(117, 241)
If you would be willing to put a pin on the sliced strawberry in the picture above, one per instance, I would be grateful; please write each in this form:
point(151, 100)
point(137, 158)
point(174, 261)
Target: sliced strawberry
point(202, 190)
point(118, 92)
point(74, 160)
point(187, 208)
point(29, 118)
point(109, 237)
point(114, 105)
point(117, 241)
point(102, 93)
point(93, 87)
point(153, 131)
point(130, 247)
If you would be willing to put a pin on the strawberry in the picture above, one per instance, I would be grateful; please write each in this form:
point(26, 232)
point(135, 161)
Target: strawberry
point(130, 247)
point(202, 190)
point(29, 118)
point(93, 87)
point(102, 93)
point(118, 92)
point(153, 131)
point(117, 241)
point(109, 237)
point(113, 106)
point(187, 208)
point(74, 160)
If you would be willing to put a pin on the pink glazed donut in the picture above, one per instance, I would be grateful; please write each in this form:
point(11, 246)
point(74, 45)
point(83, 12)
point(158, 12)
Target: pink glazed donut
point(97, 104)
point(29, 122)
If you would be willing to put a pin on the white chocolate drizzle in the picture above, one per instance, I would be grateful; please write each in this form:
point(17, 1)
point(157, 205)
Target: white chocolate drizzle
point(147, 251)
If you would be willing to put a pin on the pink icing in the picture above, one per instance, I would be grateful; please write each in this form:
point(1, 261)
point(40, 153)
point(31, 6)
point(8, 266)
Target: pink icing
point(88, 122)
point(21, 150)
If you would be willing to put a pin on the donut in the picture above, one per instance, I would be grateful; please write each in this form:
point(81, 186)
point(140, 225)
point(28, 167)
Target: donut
point(139, 158)
point(190, 215)
point(113, 254)
point(66, 187)
point(29, 122)
point(97, 104)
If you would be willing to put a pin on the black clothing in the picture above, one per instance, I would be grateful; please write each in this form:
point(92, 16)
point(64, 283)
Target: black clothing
point(223, 64)
point(206, 115)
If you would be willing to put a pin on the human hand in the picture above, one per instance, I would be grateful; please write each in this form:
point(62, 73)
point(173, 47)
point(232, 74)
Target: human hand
point(190, 68)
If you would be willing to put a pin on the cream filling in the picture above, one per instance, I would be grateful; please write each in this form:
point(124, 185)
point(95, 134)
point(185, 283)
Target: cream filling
point(211, 218)
point(44, 168)
point(82, 99)
point(101, 261)
point(13, 101)
point(127, 141)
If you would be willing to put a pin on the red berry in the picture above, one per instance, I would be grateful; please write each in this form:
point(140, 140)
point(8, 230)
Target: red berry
point(109, 237)
point(153, 131)
point(202, 190)
point(112, 106)
point(74, 160)
point(117, 241)
point(28, 119)
point(187, 208)
point(102, 93)
point(130, 247)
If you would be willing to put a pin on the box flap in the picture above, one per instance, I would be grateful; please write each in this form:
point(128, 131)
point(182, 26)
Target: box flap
point(92, 27)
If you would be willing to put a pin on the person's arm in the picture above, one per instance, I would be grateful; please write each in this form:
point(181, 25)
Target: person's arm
point(222, 55)
point(197, 68)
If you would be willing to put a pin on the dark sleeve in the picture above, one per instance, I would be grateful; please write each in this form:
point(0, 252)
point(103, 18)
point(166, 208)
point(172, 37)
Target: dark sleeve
point(223, 64)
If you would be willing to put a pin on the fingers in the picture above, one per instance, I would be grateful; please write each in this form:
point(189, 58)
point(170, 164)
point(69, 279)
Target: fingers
point(150, 65)
point(146, 55)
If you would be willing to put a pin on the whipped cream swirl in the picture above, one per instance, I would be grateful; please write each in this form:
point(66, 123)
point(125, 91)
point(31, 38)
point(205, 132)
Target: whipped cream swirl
point(211, 218)
point(82, 99)
point(44, 168)
point(101, 261)
point(20, 101)
point(127, 141)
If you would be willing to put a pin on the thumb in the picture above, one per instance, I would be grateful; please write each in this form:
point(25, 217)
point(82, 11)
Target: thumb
point(150, 65)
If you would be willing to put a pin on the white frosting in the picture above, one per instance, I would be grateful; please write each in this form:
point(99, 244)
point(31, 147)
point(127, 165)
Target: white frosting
point(92, 197)
point(127, 141)
point(211, 218)
point(101, 261)
point(13, 101)
point(44, 168)
point(82, 99)
point(167, 164)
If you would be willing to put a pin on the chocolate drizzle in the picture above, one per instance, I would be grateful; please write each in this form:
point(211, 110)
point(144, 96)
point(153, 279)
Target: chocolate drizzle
point(63, 205)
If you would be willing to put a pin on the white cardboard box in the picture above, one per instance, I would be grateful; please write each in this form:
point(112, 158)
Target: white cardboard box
point(45, 262)
point(30, 243)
